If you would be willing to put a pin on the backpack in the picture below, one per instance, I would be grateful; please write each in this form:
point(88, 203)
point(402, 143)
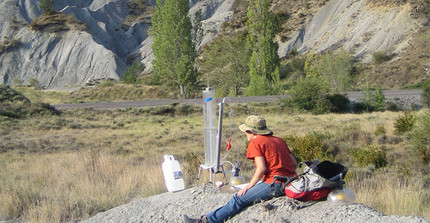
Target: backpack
point(317, 181)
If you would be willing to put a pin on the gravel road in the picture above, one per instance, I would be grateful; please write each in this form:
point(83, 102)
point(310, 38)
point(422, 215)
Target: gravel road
point(406, 98)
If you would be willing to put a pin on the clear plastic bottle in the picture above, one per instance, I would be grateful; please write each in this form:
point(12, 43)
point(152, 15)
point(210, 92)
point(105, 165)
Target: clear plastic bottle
point(341, 196)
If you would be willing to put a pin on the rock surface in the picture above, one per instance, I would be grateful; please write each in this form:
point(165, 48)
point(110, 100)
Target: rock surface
point(170, 207)
point(70, 58)
point(357, 26)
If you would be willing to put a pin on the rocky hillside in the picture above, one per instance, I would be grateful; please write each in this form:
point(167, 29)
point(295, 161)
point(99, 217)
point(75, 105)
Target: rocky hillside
point(98, 39)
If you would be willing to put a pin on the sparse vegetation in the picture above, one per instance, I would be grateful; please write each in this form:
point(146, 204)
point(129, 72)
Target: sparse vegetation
point(84, 151)
point(380, 57)
point(426, 94)
point(131, 75)
point(370, 156)
point(57, 22)
point(380, 130)
point(308, 147)
point(47, 6)
point(16, 105)
point(421, 136)
point(9, 44)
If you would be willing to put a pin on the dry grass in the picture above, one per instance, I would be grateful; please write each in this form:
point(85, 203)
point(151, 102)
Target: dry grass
point(69, 167)
point(393, 195)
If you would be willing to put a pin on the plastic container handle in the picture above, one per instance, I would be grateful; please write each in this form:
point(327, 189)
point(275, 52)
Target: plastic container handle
point(168, 157)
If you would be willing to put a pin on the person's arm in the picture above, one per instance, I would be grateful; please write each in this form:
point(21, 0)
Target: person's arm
point(260, 164)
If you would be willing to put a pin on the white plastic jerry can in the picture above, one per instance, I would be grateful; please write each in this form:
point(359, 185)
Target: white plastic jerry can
point(172, 174)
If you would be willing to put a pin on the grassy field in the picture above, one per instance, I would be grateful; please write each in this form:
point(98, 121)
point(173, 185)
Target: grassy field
point(70, 166)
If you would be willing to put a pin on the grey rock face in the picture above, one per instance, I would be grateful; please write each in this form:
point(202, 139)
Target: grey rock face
point(356, 26)
point(73, 58)
point(59, 60)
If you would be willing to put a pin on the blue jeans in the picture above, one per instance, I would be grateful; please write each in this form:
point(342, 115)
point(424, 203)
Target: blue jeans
point(257, 193)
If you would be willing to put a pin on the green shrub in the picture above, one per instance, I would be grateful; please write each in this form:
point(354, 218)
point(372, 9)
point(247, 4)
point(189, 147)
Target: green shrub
point(8, 95)
point(9, 44)
point(380, 130)
point(15, 105)
point(47, 6)
point(339, 102)
point(425, 95)
point(380, 57)
point(310, 95)
point(18, 82)
point(370, 156)
point(35, 83)
point(421, 137)
point(379, 100)
point(404, 123)
point(308, 147)
point(107, 83)
point(191, 167)
point(131, 74)
point(185, 109)
point(372, 101)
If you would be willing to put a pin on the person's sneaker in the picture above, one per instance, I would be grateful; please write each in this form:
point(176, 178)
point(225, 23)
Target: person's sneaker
point(202, 219)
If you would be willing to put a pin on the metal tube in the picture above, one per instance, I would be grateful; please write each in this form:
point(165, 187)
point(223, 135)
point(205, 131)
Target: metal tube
point(221, 108)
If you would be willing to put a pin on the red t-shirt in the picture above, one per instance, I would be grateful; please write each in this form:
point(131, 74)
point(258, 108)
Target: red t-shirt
point(276, 153)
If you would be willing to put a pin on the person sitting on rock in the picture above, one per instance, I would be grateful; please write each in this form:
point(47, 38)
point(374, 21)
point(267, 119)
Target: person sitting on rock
point(271, 156)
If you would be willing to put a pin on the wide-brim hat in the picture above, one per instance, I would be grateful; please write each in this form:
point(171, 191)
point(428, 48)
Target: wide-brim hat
point(255, 124)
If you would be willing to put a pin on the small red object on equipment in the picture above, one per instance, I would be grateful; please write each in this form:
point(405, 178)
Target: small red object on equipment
point(228, 146)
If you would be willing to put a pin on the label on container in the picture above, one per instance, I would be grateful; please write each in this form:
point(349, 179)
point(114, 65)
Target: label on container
point(177, 175)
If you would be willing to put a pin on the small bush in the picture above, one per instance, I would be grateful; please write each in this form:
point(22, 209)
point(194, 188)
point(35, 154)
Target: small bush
point(370, 156)
point(425, 95)
point(372, 101)
point(380, 130)
point(15, 105)
point(310, 95)
point(35, 83)
point(379, 100)
point(8, 95)
point(185, 109)
point(421, 137)
point(9, 44)
point(107, 83)
point(308, 147)
point(339, 102)
point(18, 82)
point(131, 74)
point(380, 57)
point(404, 123)
point(391, 106)
point(191, 167)
point(47, 6)
point(161, 110)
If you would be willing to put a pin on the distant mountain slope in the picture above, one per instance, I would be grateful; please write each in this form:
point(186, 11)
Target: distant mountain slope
point(68, 58)
point(356, 26)
point(64, 57)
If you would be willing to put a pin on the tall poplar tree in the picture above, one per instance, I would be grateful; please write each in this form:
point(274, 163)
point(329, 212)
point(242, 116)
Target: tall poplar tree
point(174, 53)
point(264, 62)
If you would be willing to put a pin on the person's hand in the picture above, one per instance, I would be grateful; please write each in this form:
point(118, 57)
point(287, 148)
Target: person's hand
point(243, 191)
